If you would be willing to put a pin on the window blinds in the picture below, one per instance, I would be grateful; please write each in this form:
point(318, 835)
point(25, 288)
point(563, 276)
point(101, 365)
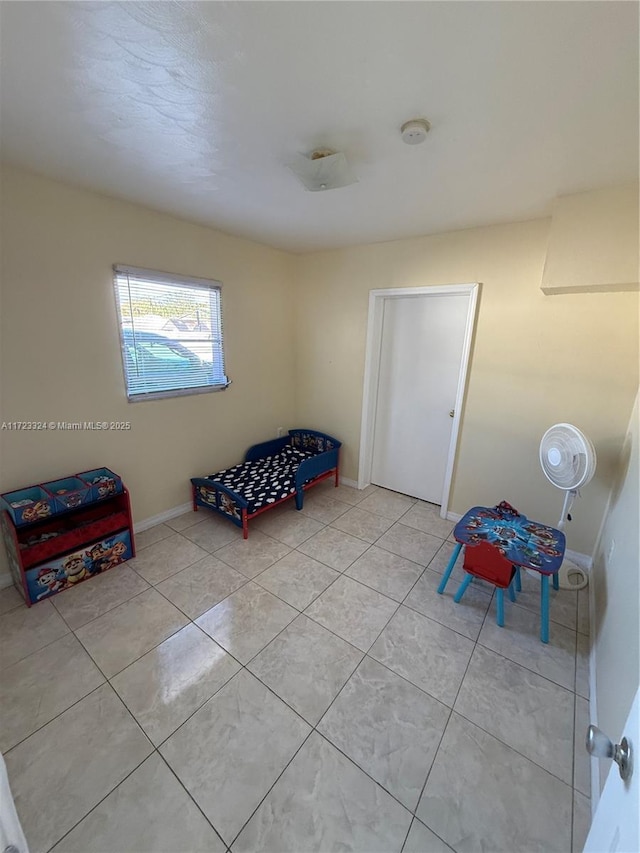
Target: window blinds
point(171, 333)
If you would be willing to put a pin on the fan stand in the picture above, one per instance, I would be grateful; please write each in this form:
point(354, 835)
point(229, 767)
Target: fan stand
point(568, 460)
point(570, 575)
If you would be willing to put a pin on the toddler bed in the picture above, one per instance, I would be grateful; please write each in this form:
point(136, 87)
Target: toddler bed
point(272, 472)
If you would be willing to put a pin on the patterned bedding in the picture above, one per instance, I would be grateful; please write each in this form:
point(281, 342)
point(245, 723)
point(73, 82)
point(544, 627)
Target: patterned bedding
point(264, 481)
point(273, 471)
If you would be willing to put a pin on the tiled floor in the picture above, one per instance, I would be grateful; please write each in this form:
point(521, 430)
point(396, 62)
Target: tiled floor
point(304, 690)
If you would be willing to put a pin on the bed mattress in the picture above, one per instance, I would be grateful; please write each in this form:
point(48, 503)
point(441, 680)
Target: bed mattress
point(264, 481)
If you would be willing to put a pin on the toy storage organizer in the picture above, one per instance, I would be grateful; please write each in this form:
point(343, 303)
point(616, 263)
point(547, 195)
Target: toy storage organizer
point(61, 533)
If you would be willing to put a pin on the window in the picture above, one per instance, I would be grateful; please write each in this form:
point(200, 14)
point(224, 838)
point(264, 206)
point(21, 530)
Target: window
point(171, 334)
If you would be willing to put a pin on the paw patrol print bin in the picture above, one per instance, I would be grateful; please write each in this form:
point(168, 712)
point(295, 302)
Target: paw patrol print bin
point(28, 505)
point(69, 493)
point(104, 483)
point(65, 572)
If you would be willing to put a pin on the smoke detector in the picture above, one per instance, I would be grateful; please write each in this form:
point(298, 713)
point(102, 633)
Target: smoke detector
point(414, 132)
point(323, 169)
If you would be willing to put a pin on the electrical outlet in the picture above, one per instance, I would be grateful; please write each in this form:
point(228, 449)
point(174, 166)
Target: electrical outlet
point(280, 432)
point(612, 547)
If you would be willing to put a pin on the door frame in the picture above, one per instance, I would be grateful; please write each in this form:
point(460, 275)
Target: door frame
point(372, 373)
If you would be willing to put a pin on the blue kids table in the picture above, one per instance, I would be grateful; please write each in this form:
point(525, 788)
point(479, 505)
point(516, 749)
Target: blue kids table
point(527, 544)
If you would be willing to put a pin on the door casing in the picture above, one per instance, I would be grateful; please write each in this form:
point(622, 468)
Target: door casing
point(372, 371)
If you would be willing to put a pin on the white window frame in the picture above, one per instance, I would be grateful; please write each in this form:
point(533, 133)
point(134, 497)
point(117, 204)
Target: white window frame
point(178, 281)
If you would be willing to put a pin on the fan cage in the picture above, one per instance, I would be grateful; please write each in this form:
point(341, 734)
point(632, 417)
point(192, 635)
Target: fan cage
point(567, 457)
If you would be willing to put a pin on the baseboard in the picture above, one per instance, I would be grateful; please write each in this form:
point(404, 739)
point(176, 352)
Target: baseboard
point(583, 560)
point(345, 481)
point(5, 580)
point(168, 514)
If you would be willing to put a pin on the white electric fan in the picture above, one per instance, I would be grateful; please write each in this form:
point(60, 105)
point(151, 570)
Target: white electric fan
point(568, 459)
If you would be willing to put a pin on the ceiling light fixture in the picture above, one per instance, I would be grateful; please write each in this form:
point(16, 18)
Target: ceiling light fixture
point(414, 131)
point(323, 169)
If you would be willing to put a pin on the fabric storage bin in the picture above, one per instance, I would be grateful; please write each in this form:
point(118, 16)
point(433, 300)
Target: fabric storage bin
point(68, 493)
point(104, 483)
point(60, 573)
point(28, 505)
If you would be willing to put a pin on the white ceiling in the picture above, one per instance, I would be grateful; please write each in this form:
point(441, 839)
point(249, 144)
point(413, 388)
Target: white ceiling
point(196, 108)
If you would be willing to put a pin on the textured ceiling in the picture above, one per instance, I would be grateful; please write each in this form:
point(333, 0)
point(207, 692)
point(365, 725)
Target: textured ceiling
point(196, 108)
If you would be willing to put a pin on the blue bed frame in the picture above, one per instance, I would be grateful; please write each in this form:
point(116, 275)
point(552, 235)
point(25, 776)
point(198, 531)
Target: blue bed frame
point(215, 496)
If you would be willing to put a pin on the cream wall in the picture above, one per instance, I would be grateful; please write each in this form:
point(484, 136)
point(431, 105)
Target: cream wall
point(60, 344)
point(593, 242)
point(536, 360)
point(616, 597)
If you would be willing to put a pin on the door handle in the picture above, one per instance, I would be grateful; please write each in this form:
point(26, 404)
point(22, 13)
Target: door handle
point(598, 744)
point(452, 413)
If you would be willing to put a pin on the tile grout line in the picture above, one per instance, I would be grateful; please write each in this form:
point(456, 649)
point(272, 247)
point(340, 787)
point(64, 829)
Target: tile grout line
point(471, 722)
point(59, 714)
point(151, 586)
point(102, 799)
point(366, 654)
point(464, 636)
point(417, 687)
point(522, 665)
point(314, 728)
point(394, 522)
point(412, 812)
point(435, 755)
point(40, 648)
point(328, 629)
point(513, 749)
point(155, 646)
point(325, 525)
point(188, 793)
point(340, 572)
point(15, 606)
point(146, 737)
point(365, 651)
point(155, 749)
point(302, 612)
point(93, 618)
point(192, 619)
point(299, 612)
point(244, 825)
point(509, 746)
point(208, 699)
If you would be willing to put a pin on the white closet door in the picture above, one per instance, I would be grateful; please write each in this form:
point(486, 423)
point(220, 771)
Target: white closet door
point(420, 358)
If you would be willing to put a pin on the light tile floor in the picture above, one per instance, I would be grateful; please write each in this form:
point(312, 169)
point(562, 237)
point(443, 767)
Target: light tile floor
point(305, 690)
